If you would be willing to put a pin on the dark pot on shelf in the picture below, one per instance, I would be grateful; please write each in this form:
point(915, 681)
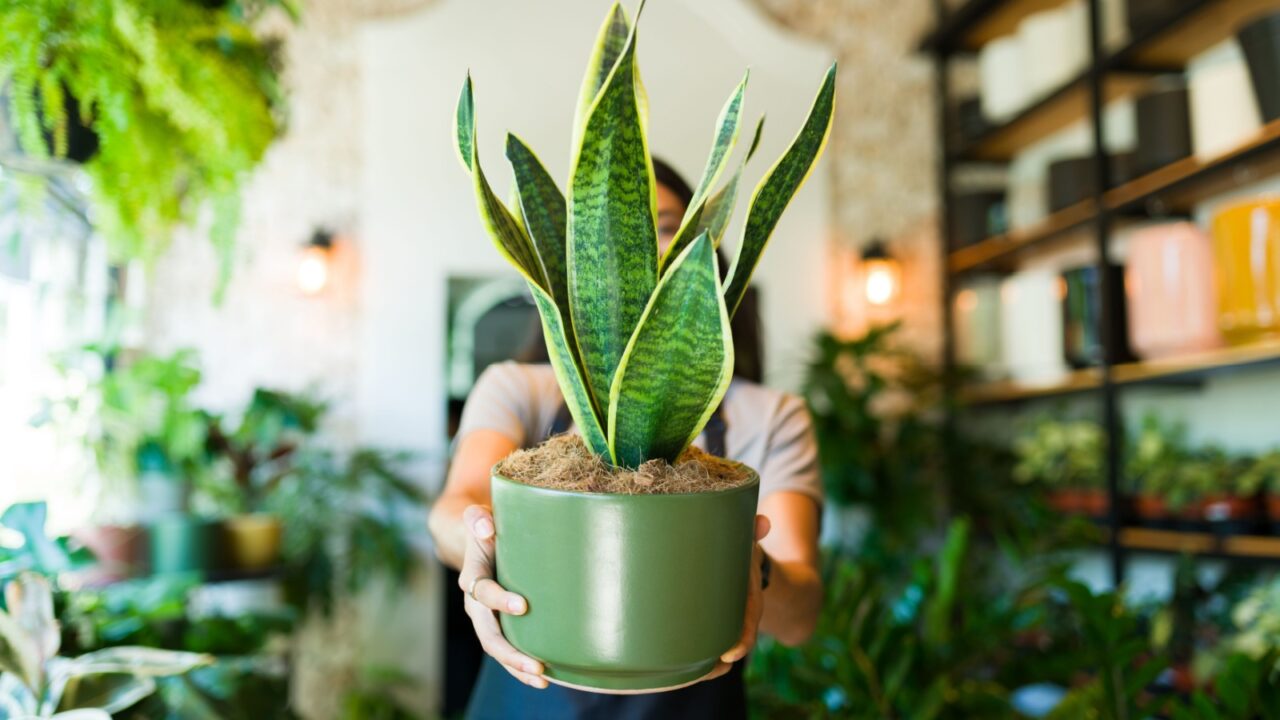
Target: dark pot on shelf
point(1082, 341)
point(181, 543)
point(1067, 501)
point(1144, 14)
point(625, 592)
point(1164, 125)
point(1273, 511)
point(1260, 41)
point(977, 215)
point(970, 122)
point(1072, 180)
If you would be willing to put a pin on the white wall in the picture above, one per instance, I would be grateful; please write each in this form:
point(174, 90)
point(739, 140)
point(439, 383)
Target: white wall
point(419, 219)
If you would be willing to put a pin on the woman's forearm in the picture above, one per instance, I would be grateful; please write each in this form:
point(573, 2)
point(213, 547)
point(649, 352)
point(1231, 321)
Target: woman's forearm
point(792, 602)
point(445, 523)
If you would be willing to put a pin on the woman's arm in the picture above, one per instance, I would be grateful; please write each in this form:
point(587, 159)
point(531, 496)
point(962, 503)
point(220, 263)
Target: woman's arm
point(793, 599)
point(468, 484)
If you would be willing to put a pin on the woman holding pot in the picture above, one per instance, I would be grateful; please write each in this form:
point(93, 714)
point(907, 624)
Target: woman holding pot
point(517, 405)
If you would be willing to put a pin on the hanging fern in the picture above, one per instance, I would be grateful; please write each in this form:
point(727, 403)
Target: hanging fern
point(183, 95)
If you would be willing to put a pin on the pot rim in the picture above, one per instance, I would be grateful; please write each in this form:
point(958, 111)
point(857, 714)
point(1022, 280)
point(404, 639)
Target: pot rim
point(1264, 201)
point(750, 484)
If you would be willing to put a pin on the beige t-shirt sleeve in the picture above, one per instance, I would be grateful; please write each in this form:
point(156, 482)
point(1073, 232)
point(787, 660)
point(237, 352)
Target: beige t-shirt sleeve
point(502, 399)
point(791, 456)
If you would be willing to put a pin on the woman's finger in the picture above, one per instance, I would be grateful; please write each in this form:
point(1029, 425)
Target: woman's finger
point(492, 595)
point(490, 635)
point(534, 681)
point(763, 525)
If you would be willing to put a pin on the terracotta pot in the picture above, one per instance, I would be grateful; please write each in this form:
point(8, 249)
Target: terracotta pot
point(251, 543)
point(1225, 508)
point(1067, 501)
point(1150, 507)
point(1171, 293)
point(625, 592)
point(1273, 510)
point(120, 550)
point(1094, 502)
point(1246, 244)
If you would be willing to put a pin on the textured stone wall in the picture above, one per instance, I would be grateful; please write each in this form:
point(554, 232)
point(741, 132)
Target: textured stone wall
point(882, 148)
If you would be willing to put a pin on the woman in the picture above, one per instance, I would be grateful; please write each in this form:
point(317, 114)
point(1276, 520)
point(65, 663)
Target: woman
point(517, 405)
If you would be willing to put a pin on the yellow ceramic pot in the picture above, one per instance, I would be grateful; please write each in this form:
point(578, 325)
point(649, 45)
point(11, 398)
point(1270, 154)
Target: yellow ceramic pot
point(1246, 247)
point(252, 542)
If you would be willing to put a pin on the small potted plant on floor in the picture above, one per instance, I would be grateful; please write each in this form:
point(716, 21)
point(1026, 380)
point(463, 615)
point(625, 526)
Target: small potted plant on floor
point(1065, 457)
point(259, 451)
point(632, 548)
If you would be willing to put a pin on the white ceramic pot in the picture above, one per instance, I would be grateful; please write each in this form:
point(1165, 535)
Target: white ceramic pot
point(1000, 70)
point(1031, 327)
point(976, 320)
point(1043, 46)
point(1224, 111)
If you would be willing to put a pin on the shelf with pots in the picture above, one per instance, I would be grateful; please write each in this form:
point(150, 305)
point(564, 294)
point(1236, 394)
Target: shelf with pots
point(1169, 34)
point(1251, 547)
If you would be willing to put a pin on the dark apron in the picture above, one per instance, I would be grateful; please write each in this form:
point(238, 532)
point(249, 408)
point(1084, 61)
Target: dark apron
point(499, 696)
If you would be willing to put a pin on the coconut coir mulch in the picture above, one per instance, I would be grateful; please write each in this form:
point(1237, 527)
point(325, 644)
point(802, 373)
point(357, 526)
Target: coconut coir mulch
point(565, 463)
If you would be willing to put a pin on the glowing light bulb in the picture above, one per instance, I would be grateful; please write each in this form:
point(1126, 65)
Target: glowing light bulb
point(313, 266)
point(882, 277)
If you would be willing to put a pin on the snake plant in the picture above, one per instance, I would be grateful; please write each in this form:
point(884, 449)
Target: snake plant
point(640, 342)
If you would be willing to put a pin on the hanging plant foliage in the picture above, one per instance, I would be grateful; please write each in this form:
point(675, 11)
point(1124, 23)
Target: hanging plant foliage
point(182, 97)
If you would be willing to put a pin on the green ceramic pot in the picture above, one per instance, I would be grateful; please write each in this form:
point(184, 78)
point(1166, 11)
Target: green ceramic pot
point(180, 543)
point(627, 593)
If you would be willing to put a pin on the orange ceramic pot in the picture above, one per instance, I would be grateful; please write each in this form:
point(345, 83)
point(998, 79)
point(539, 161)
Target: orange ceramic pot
point(1170, 289)
point(1246, 245)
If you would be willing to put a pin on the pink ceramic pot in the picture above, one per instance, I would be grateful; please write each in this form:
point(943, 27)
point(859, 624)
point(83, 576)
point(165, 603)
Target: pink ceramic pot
point(1170, 287)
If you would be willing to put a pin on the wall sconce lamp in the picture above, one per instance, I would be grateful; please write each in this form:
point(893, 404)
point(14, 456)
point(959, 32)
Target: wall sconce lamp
point(881, 275)
point(313, 265)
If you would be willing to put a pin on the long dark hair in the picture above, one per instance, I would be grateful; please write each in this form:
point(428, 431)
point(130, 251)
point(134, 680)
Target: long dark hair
point(748, 350)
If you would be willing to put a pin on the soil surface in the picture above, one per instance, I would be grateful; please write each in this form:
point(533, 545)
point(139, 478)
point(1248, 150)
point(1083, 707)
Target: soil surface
point(565, 463)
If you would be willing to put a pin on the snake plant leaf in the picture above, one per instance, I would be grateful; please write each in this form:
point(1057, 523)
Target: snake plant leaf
point(719, 210)
point(576, 394)
point(507, 233)
point(613, 234)
point(609, 44)
point(726, 136)
point(544, 210)
point(677, 365)
point(777, 188)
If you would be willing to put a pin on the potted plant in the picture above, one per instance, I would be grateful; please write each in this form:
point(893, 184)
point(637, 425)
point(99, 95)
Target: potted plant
point(636, 578)
point(259, 452)
point(1066, 457)
point(1263, 474)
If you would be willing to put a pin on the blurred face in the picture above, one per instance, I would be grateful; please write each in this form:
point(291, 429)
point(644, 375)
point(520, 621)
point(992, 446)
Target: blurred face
point(670, 211)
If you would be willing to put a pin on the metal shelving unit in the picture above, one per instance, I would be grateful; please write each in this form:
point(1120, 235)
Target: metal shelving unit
point(1165, 46)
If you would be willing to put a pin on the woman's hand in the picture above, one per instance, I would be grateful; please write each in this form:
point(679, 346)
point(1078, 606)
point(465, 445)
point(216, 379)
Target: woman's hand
point(755, 608)
point(489, 598)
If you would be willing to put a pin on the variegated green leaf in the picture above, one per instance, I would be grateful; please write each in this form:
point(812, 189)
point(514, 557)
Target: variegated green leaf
point(136, 660)
point(727, 126)
point(507, 233)
point(609, 44)
point(544, 210)
point(726, 136)
point(777, 188)
point(677, 366)
point(719, 210)
point(20, 654)
point(576, 395)
point(613, 234)
point(111, 693)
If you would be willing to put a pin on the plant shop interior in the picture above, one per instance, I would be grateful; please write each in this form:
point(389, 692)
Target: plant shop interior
point(1005, 386)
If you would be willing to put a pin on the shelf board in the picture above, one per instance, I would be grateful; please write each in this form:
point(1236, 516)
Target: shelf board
point(986, 252)
point(1059, 109)
point(1260, 547)
point(1197, 26)
point(1008, 391)
point(1197, 365)
point(980, 21)
point(1182, 183)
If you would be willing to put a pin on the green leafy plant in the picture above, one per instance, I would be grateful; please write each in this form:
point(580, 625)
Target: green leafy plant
point(183, 96)
point(1163, 462)
point(640, 344)
point(38, 552)
point(1060, 453)
point(35, 682)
